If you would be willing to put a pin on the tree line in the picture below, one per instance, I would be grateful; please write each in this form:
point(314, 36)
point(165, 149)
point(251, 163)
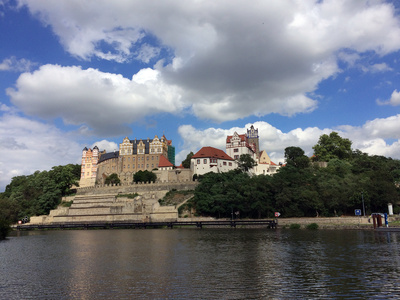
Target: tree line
point(37, 194)
point(334, 182)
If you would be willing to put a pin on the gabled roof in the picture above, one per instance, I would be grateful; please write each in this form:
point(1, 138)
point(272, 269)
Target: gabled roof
point(164, 162)
point(243, 137)
point(210, 152)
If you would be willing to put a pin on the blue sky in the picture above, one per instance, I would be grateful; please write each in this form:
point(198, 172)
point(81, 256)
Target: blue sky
point(76, 74)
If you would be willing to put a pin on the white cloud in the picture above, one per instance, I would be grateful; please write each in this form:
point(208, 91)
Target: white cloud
point(105, 102)
point(27, 146)
point(394, 99)
point(106, 145)
point(16, 65)
point(231, 59)
point(376, 68)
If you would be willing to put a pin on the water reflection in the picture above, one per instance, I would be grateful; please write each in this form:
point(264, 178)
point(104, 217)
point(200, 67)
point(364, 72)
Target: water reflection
point(200, 264)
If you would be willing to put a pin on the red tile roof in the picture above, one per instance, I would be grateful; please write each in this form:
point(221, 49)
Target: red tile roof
point(164, 162)
point(243, 138)
point(210, 152)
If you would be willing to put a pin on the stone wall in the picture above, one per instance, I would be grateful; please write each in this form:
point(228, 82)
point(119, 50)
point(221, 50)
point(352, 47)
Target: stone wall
point(140, 188)
point(175, 175)
point(322, 221)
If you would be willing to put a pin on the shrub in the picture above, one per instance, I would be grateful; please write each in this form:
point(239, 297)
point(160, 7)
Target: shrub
point(144, 176)
point(129, 196)
point(4, 228)
point(112, 179)
point(312, 226)
point(294, 226)
point(66, 203)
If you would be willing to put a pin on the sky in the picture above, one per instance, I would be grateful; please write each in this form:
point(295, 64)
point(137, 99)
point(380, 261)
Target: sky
point(77, 73)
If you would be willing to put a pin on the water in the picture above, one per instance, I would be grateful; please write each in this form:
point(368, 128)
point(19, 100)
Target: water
point(200, 264)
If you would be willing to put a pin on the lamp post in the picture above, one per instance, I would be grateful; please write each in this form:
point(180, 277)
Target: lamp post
point(362, 197)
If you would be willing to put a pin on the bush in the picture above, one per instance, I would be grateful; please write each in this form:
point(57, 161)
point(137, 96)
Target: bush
point(312, 226)
point(294, 226)
point(4, 228)
point(144, 176)
point(112, 179)
point(66, 203)
point(129, 196)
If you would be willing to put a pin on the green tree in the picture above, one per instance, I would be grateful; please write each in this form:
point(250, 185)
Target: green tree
point(186, 162)
point(295, 156)
point(144, 176)
point(112, 179)
point(246, 162)
point(332, 146)
point(38, 193)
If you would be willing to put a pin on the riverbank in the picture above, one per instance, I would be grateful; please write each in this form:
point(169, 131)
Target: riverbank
point(364, 223)
point(335, 222)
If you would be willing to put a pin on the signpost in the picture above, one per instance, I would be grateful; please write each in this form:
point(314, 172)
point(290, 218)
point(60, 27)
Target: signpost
point(277, 214)
point(357, 212)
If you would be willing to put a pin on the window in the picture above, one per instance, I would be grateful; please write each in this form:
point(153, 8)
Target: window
point(236, 150)
point(236, 157)
point(198, 161)
point(224, 163)
point(205, 161)
point(230, 164)
point(213, 160)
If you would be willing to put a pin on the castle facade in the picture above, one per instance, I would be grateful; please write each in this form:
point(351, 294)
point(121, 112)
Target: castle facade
point(133, 156)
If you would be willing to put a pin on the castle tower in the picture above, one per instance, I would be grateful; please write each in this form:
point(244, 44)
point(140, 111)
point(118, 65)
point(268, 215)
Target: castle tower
point(89, 166)
point(253, 138)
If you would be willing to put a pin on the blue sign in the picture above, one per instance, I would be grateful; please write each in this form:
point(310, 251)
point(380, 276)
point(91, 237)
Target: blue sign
point(357, 212)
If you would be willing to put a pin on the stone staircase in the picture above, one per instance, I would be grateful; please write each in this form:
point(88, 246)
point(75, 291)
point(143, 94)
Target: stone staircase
point(109, 208)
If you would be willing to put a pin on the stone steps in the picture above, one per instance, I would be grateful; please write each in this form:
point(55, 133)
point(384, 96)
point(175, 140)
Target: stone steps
point(99, 218)
point(108, 208)
point(91, 203)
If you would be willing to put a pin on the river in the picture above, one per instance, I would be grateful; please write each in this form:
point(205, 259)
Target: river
point(200, 264)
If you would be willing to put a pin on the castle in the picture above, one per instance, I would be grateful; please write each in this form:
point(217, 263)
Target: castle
point(158, 155)
point(133, 155)
point(209, 159)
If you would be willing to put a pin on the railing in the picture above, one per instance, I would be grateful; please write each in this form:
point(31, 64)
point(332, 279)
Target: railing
point(172, 224)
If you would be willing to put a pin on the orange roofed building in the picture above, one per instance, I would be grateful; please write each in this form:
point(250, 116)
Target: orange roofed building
point(209, 159)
